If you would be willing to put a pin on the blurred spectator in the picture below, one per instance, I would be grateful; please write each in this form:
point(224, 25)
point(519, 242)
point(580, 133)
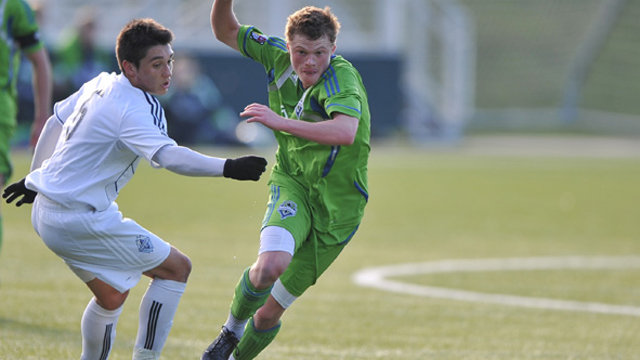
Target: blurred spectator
point(79, 58)
point(194, 107)
point(18, 35)
point(23, 59)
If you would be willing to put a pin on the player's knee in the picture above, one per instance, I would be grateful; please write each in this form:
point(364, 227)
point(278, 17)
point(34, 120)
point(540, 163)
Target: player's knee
point(184, 268)
point(112, 300)
point(265, 320)
point(265, 274)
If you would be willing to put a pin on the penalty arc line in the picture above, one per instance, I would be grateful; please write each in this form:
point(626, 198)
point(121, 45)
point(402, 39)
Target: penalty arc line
point(378, 277)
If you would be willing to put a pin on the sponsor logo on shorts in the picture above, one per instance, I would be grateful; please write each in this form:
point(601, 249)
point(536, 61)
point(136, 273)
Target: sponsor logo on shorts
point(144, 244)
point(288, 208)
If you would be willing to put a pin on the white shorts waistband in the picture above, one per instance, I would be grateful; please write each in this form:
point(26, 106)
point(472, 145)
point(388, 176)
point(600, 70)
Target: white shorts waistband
point(53, 205)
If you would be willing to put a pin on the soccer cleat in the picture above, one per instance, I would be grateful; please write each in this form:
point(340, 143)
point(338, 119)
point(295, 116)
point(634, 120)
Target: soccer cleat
point(222, 347)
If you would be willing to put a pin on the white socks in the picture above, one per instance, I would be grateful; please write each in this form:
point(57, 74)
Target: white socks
point(157, 309)
point(236, 325)
point(98, 329)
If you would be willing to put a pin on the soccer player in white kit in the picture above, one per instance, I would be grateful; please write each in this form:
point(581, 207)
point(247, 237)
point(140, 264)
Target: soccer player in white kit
point(87, 153)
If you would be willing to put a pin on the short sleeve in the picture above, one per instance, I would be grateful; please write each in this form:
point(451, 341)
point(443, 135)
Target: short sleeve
point(144, 129)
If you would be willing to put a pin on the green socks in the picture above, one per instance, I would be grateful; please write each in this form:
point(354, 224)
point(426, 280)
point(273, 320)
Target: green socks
point(254, 341)
point(247, 300)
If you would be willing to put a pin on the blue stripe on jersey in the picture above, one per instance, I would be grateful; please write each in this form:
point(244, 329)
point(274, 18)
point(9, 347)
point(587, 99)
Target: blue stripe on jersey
point(277, 42)
point(315, 106)
point(346, 107)
point(361, 190)
point(331, 81)
point(244, 42)
point(350, 236)
point(331, 160)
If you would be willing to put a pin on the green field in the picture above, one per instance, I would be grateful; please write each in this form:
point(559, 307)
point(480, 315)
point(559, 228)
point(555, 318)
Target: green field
point(424, 206)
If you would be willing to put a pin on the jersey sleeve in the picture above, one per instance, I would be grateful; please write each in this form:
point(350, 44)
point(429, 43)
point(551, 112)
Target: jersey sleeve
point(24, 27)
point(63, 108)
point(342, 92)
point(258, 46)
point(144, 129)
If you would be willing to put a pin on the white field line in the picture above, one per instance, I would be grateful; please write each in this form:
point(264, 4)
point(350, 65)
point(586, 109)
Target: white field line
point(378, 277)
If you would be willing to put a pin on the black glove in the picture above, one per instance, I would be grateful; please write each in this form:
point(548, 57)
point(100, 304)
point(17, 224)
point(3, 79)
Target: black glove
point(245, 168)
point(16, 190)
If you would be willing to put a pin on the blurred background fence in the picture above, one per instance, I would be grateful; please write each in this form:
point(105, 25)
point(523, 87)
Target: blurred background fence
point(435, 70)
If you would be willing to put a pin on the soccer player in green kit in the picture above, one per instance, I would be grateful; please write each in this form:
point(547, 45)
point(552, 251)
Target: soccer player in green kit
point(19, 35)
point(319, 113)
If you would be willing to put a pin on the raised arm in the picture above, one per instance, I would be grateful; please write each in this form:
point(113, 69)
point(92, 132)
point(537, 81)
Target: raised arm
point(224, 23)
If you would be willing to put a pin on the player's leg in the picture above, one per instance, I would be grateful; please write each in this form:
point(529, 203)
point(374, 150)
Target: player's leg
point(247, 299)
point(285, 227)
point(262, 328)
point(6, 133)
point(254, 287)
point(252, 291)
point(1, 220)
point(99, 320)
point(311, 260)
point(160, 303)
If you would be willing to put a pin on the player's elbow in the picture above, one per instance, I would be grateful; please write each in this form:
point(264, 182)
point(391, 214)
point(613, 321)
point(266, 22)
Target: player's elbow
point(347, 140)
point(348, 136)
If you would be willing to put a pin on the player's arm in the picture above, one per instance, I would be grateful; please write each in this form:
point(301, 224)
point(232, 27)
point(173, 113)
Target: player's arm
point(44, 148)
point(184, 161)
point(47, 141)
point(42, 90)
point(340, 130)
point(224, 23)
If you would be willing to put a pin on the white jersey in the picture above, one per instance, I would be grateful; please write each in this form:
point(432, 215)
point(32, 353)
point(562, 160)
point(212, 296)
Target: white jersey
point(108, 125)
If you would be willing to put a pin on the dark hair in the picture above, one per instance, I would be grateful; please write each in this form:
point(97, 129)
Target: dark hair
point(313, 23)
point(137, 37)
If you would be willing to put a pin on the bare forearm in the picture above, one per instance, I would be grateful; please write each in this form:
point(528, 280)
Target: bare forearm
point(224, 23)
point(341, 130)
point(330, 132)
point(42, 91)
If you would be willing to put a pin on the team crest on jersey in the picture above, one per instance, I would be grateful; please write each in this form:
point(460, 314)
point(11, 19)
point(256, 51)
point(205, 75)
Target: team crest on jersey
point(299, 109)
point(144, 244)
point(259, 38)
point(287, 209)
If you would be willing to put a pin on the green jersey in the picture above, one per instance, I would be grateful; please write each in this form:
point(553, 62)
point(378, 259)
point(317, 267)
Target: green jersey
point(18, 31)
point(334, 177)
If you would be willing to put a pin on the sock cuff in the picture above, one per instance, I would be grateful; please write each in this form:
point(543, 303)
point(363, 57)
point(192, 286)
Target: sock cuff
point(99, 310)
point(249, 289)
point(169, 285)
point(253, 327)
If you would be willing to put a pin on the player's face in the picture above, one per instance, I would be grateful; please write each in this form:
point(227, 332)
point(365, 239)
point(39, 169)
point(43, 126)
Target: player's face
point(154, 73)
point(310, 58)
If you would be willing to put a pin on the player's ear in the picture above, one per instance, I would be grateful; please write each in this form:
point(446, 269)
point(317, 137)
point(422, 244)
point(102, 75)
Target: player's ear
point(128, 68)
point(333, 49)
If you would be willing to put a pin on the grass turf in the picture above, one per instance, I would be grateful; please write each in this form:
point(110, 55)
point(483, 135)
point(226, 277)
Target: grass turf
point(424, 206)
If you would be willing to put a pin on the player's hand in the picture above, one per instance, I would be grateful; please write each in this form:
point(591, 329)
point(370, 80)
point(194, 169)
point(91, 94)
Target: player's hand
point(259, 113)
point(245, 168)
point(16, 190)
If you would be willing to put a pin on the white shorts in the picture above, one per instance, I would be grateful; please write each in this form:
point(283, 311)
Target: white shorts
point(101, 245)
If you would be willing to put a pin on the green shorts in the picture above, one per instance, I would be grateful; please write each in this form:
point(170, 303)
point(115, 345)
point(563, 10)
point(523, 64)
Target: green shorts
point(6, 168)
point(315, 250)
